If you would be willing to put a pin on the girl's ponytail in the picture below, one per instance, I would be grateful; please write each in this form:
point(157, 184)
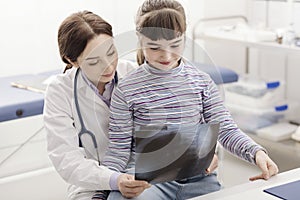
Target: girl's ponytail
point(140, 57)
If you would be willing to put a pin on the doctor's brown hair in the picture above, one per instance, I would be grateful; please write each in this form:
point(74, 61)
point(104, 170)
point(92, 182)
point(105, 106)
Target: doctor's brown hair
point(160, 19)
point(76, 31)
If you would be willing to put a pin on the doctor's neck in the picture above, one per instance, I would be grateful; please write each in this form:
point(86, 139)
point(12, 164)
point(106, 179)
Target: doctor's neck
point(101, 87)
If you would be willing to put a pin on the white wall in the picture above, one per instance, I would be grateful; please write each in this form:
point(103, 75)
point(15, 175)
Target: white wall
point(28, 41)
point(221, 54)
point(216, 8)
point(29, 30)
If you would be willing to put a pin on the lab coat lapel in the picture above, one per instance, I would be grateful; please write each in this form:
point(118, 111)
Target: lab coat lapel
point(88, 93)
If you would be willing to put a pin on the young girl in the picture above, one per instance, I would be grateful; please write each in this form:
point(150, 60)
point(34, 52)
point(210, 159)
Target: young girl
point(167, 90)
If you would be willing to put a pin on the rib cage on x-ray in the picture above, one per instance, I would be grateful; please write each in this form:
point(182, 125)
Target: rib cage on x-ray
point(173, 152)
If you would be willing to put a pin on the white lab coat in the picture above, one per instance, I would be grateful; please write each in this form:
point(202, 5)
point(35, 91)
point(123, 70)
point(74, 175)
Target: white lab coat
point(78, 166)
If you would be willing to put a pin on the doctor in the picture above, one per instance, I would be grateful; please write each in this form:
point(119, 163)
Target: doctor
point(76, 107)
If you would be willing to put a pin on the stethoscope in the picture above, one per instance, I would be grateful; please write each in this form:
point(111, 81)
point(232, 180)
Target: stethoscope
point(83, 129)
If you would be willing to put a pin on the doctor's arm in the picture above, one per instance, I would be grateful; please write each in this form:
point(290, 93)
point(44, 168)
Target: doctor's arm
point(62, 143)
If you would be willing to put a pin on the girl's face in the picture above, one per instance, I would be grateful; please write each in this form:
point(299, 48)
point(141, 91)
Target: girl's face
point(99, 59)
point(163, 54)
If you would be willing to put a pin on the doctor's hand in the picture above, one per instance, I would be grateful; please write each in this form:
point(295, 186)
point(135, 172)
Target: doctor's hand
point(131, 188)
point(266, 165)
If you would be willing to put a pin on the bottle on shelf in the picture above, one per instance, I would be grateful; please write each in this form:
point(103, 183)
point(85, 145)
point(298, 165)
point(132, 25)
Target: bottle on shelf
point(289, 36)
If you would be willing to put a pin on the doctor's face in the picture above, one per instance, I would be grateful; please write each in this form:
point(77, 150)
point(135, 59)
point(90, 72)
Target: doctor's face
point(99, 59)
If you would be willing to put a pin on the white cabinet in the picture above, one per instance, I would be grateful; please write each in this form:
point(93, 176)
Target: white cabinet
point(26, 172)
point(247, 51)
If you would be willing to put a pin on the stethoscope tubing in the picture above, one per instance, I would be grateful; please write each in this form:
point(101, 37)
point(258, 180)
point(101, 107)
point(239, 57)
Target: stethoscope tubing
point(83, 129)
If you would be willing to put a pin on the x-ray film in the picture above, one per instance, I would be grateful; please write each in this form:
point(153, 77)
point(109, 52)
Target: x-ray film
point(174, 152)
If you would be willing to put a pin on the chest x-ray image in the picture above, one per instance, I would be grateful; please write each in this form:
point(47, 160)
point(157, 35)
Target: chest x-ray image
point(174, 152)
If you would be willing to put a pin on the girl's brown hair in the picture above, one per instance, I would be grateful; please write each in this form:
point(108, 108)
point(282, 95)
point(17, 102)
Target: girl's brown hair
point(76, 31)
point(160, 19)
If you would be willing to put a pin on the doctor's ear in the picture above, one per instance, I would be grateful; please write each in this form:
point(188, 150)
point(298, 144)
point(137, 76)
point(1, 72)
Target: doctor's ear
point(74, 64)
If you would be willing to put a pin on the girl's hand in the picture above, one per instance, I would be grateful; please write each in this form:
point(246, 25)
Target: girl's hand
point(131, 188)
point(213, 165)
point(267, 166)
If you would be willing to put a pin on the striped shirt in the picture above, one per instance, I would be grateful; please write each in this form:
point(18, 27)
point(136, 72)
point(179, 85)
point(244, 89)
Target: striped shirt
point(183, 95)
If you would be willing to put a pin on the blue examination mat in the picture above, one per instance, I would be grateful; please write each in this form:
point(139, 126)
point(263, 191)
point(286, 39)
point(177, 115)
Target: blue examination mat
point(18, 103)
